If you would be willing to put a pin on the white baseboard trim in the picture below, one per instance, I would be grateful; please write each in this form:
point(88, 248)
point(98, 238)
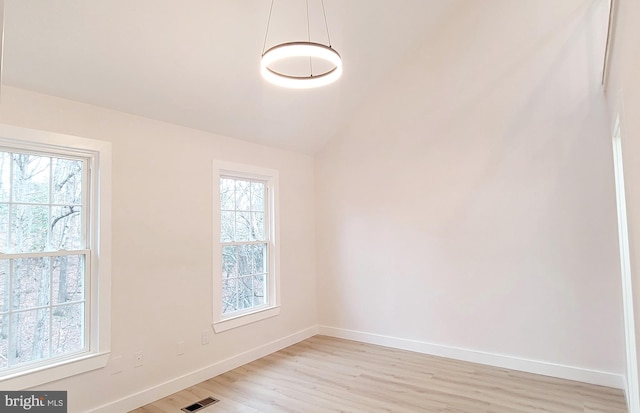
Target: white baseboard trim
point(601, 378)
point(162, 390)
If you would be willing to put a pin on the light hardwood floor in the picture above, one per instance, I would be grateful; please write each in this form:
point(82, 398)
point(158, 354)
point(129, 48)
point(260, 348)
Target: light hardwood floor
point(324, 374)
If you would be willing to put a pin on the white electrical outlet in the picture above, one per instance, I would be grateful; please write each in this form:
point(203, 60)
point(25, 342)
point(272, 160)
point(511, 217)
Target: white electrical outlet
point(138, 359)
point(204, 337)
point(180, 348)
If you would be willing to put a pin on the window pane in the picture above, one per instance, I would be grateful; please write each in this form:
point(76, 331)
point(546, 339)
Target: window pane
point(257, 226)
point(243, 195)
point(31, 283)
point(30, 178)
point(245, 259)
point(229, 295)
point(66, 228)
point(4, 341)
point(259, 258)
point(4, 228)
point(257, 196)
point(29, 338)
point(227, 194)
point(67, 181)
point(68, 279)
point(67, 329)
point(259, 289)
point(229, 261)
point(4, 285)
point(227, 226)
point(245, 292)
point(5, 176)
point(243, 226)
point(29, 224)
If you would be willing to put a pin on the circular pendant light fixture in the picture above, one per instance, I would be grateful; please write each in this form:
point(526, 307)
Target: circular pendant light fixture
point(301, 49)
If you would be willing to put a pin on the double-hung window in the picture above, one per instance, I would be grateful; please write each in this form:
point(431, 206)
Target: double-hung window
point(49, 270)
point(245, 228)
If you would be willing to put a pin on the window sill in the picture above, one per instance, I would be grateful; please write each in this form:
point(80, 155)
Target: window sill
point(45, 374)
point(244, 319)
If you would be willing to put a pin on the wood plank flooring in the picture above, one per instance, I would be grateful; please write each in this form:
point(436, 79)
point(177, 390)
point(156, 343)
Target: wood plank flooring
point(324, 374)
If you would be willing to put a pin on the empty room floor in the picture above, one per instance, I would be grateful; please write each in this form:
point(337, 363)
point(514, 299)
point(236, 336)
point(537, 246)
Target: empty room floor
point(324, 374)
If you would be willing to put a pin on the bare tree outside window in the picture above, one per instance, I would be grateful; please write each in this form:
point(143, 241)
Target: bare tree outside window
point(43, 257)
point(245, 244)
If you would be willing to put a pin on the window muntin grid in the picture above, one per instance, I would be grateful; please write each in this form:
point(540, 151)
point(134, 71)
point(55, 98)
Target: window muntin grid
point(244, 237)
point(44, 257)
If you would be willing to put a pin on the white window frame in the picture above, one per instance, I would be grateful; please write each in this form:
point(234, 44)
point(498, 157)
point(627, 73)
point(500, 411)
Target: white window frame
point(98, 293)
point(223, 322)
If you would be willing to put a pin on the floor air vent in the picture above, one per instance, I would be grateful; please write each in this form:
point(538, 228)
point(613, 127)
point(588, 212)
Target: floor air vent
point(200, 405)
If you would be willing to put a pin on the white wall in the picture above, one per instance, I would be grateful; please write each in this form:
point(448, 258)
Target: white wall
point(162, 241)
point(471, 203)
point(623, 95)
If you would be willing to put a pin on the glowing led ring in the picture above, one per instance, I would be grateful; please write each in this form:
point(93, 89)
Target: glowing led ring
point(301, 49)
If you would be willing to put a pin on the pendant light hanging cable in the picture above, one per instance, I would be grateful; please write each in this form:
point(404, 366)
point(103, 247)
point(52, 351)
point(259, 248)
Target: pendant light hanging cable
point(264, 45)
point(326, 25)
point(309, 40)
point(308, 27)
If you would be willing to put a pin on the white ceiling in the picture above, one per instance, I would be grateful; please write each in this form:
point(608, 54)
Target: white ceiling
point(196, 62)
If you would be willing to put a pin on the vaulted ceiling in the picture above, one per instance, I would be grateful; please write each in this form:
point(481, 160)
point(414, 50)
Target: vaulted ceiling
point(196, 62)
